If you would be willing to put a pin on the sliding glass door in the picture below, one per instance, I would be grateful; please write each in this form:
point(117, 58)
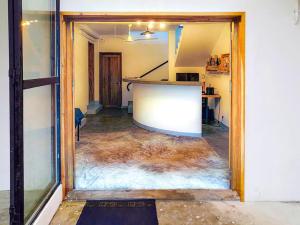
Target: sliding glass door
point(34, 98)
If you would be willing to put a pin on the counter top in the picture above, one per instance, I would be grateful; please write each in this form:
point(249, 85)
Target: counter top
point(180, 83)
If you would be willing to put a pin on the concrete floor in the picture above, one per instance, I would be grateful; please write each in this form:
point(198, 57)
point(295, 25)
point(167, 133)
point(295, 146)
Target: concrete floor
point(4, 207)
point(182, 194)
point(203, 213)
point(211, 151)
point(31, 198)
point(114, 154)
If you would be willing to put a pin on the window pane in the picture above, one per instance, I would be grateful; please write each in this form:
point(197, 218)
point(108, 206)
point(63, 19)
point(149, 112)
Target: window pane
point(39, 147)
point(38, 45)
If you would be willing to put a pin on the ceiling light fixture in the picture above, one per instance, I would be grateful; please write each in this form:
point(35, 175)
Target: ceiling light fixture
point(148, 35)
point(162, 25)
point(151, 24)
point(129, 38)
point(138, 22)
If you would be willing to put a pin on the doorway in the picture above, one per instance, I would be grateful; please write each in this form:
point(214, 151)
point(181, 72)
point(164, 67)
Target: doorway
point(110, 86)
point(236, 132)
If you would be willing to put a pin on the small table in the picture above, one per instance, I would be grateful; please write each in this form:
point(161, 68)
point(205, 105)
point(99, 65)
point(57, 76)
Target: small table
point(216, 96)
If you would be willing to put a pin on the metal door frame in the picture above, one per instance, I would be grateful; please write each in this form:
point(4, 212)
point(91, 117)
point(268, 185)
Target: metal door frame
point(16, 88)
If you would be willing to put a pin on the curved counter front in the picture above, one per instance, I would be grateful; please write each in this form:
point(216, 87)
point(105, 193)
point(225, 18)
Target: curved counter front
point(173, 108)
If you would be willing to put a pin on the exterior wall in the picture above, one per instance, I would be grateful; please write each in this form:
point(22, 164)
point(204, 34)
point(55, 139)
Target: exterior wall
point(272, 82)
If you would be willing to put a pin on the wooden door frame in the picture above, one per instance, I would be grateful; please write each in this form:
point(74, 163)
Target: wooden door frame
point(237, 124)
point(101, 54)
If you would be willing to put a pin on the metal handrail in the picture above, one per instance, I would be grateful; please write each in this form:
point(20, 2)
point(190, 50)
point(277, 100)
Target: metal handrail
point(150, 71)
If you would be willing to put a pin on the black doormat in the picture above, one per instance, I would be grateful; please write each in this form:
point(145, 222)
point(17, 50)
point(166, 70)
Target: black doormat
point(119, 212)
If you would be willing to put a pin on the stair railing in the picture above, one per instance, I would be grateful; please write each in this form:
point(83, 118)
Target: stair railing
point(150, 71)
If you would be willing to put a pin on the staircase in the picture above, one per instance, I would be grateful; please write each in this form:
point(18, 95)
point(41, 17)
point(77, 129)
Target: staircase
point(94, 107)
point(195, 42)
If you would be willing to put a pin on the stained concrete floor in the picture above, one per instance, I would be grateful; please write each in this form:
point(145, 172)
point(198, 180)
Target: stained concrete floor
point(203, 213)
point(115, 154)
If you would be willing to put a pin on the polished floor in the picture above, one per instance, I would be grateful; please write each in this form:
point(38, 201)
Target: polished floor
point(114, 154)
point(203, 213)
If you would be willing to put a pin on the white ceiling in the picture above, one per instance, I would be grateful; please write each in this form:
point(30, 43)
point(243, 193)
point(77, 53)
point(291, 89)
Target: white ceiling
point(122, 28)
point(197, 42)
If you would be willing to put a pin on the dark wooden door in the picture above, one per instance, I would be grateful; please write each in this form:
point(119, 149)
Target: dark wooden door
point(91, 65)
point(110, 79)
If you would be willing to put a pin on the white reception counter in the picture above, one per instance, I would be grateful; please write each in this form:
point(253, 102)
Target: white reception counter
point(168, 107)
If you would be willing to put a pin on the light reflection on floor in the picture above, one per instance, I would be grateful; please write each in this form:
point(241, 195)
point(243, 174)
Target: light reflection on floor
point(114, 154)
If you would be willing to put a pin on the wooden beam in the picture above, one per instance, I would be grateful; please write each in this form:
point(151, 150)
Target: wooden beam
point(67, 108)
point(237, 122)
point(166, 18)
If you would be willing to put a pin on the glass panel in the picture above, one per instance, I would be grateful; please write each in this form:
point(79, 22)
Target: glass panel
point(39, 146)
point(38, 33)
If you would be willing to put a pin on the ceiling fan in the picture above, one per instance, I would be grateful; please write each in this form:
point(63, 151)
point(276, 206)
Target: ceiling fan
point(147, 33)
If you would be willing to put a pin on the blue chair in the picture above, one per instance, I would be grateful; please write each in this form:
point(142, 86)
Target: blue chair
point(78, 118)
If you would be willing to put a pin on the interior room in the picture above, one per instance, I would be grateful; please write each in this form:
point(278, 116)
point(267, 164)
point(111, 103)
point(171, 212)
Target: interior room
point(38, 136)
point(161, 92)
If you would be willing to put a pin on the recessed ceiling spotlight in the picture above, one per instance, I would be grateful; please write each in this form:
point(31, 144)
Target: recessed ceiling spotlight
point(162, 25)
point(151, 24)
point(138, 22)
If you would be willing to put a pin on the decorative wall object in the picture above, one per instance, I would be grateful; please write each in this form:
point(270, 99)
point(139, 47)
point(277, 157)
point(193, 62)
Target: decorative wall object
point(216, 64)
point(224, 66)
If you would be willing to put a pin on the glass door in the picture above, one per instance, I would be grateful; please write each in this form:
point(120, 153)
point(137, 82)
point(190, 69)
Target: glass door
point(34, 98)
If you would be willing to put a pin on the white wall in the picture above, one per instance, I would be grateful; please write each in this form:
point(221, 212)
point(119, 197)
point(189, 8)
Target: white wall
point(81, 79)
point(272, 85)
point(81, 76)
point(221, 82)
point(138, 58)
point(4, 99)
point(172, 57)
point(165, 107)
